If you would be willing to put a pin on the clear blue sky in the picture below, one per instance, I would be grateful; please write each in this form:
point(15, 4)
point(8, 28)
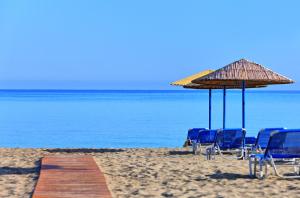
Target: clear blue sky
point(141, 44)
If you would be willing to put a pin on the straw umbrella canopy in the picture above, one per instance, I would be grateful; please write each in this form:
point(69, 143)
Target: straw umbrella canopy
point(242, 73)
point(187, 83)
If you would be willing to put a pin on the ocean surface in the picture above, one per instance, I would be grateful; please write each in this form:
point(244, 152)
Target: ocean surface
point(119, 119)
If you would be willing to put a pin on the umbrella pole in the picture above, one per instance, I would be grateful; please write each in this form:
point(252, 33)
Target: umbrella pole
point(209, 110)
point(243, 104)
point(224, 107)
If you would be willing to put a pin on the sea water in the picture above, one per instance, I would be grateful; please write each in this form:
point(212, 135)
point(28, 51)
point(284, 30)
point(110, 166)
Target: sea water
point(119, 119)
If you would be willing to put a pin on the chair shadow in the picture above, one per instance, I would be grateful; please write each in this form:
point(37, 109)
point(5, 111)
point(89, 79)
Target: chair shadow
point(228, 176)
point(180, 152)
point(84, 150)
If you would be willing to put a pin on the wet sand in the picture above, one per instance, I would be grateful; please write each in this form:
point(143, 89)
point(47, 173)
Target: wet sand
point(149, 173)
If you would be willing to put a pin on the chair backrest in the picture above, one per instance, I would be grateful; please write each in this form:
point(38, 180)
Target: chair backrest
point(193, 133)
point(284, 144)
point(264, 136)
point(207, 136)
point(250, 140)
point(230, 138)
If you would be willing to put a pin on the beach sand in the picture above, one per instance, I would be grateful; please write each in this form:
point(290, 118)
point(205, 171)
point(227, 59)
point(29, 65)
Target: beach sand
point(149, 173)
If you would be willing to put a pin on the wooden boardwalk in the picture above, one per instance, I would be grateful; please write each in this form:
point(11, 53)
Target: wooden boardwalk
point(70, 177)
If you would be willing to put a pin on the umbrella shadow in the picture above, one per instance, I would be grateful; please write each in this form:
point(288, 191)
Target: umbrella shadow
point(83, 150)
point(17, 171)
point(55, 167)
point(13, 170)
point(50, 167)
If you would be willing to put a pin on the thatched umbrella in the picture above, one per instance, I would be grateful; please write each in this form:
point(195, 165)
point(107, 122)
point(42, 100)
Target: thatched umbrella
point(242, 73)
point(187, 83)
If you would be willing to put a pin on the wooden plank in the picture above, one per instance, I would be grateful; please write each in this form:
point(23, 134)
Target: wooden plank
point(70, 177)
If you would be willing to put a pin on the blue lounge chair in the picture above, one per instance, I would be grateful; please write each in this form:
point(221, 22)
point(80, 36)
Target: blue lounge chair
point(228, 141)
point(250, 141)
point(205, 137)
point(262, 139)
point(192, 136)
point(283, 149)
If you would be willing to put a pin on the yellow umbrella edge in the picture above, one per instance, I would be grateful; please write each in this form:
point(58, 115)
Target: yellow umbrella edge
point(188, 80)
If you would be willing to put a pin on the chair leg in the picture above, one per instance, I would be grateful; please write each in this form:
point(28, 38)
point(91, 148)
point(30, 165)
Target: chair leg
point(296, 167)
point(250, 167)
point(199, 149)
point(213, 153)
point(254, 168)
point(261, 172)
point(208, 153)
point(244, 154)
point(196, 148)
point(266, 170)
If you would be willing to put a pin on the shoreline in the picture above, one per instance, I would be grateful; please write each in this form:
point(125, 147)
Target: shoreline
point(148, 172)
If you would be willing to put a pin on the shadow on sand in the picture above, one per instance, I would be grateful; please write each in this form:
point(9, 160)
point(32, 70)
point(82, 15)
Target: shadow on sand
point(228, 176)
point(84, 150)
point(180, 152)
point(9, 170)
point(51, 167)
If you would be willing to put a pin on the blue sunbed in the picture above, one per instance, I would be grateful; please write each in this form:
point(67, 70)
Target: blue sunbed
point(262, 139)
point(192, 135)
point(205, 137)
point(283, 149)
point(228, 141)
point(249, 141)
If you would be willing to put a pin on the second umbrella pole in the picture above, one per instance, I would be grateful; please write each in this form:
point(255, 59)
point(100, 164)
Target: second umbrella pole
point(243, 104)
point(224, 107)
point(209, 109)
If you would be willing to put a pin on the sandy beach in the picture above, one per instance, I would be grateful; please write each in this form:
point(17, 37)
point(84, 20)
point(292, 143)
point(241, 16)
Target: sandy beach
point(148, 173)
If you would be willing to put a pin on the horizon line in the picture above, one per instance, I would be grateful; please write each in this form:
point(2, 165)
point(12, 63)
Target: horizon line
point(179, 90)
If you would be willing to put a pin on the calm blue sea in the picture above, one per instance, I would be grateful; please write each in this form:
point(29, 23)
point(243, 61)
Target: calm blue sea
point(132, 118)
